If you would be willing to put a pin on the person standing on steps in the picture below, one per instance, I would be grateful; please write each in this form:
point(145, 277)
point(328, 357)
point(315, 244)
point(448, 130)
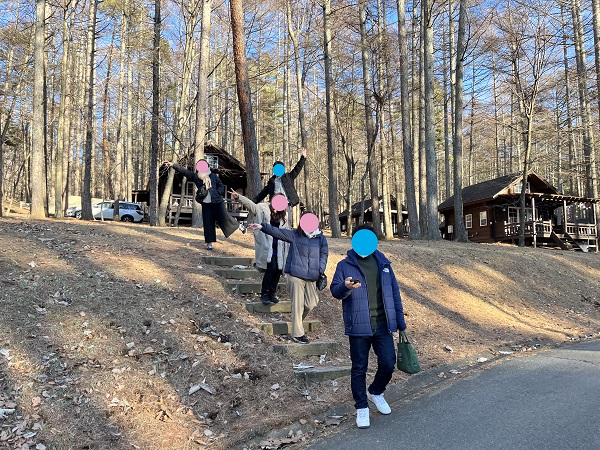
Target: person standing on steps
point(372, 311)
point(306, 261)
point(282, 182)
point(209, 194)
point(270, 253)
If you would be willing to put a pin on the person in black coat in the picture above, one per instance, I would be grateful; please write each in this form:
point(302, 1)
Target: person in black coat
point(210, 191)
point(283, 184)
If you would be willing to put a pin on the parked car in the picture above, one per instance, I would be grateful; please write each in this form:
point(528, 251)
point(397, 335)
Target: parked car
point(128, 211)
point(70, 212)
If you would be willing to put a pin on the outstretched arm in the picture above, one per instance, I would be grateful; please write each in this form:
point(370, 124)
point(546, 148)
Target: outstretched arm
point(282, 234)
point(262, 194)
point(244, 201)
point(191, 176)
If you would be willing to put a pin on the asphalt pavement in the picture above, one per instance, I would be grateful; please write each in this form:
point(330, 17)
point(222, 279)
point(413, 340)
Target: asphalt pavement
point(547, 400)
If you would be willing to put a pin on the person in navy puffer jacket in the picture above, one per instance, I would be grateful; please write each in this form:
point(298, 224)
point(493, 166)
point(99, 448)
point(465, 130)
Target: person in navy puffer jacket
point(306, 261)
point(372, 311)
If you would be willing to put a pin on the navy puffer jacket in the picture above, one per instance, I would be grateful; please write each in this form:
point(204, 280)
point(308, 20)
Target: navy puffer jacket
point(307, 258)
point(355, 303)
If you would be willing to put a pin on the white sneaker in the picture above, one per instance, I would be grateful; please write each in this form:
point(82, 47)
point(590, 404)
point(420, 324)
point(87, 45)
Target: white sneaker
point(380, 403)
point(362, 418)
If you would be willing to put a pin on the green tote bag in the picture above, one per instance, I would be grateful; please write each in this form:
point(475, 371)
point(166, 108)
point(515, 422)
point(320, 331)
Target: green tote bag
point(407, 359)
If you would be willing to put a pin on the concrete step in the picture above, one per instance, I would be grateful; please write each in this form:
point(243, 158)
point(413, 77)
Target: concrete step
point(286, 327)
point(227, 260)
point(238, 274)
point(249, 287)
point(259, 307)
point(322, 373)
point(313, 348)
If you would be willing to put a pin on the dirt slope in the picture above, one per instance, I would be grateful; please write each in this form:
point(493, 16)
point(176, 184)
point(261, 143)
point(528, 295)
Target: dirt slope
point(105, 327)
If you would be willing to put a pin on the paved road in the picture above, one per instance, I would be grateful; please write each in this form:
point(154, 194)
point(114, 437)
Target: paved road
point(549, 400)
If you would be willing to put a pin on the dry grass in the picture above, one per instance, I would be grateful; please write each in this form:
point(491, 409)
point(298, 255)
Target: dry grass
point(106, 326)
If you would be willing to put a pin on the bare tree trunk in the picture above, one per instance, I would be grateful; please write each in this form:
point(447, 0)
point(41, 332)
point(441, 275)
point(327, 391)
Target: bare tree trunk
point(63, 112)
point(201, 97)
point(244, 100)
point(433, 226)
point(181, 113)
point(460, 233)
point(447, 84)
point(38, 134)
point(372, 163)
point(333, 198)
point(153, 165)
point(407, 140)
point(584, 103)
point(107, 185)
point(388, 229)
point(496, 118)
point(300, 80)
point(129, 170)
point(86, 195)
point(120, 185)
point(596, 21)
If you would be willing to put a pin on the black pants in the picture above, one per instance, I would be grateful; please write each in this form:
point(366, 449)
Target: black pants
point(271, 278)
point(217, 212)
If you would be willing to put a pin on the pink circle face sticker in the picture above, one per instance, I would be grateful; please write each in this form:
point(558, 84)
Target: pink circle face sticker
point(279, 202)
point(202, 166)
point(309, 222)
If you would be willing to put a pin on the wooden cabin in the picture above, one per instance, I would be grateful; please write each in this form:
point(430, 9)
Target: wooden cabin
point(368, 207)
point(231, 172)
point(492, 211)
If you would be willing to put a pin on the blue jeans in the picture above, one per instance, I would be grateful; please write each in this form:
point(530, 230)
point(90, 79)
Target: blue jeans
point(383, 346)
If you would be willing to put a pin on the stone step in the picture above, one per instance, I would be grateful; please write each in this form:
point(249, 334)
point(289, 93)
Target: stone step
point(259, 307)
point(322, 373)
point(286, 327)
point(227, 260)
point(314, 348)
point(249, 287)
point(238, 274)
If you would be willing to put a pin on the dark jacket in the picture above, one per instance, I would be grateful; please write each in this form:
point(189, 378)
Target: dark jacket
point(355, 303)
point(287, 180)
point(217, 190)
point(307, 258)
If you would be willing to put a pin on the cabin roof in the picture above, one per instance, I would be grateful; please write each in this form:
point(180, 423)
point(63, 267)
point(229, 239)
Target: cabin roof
point(491, 189)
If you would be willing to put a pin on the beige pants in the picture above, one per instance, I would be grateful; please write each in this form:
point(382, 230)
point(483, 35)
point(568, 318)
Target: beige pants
point(304, 297)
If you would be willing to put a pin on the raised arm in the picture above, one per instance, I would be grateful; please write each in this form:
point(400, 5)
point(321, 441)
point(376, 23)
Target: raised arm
point(299, 165)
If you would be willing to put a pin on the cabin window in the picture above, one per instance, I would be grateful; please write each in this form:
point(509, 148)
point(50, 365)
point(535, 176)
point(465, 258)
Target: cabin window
point(213, 161)
point(514, 214)
point(482, 218)
point(189, 189)
point(469, 221)
point(517, 188)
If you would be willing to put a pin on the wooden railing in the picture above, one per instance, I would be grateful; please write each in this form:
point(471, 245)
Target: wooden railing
point(581, 231)
point(545, 228)
point(542, 228)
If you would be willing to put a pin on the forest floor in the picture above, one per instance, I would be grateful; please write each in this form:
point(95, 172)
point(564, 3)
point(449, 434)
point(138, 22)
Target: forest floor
point(116, 336)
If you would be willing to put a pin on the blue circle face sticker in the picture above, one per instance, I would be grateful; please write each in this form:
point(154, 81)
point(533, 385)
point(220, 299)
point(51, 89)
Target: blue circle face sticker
point(364, 242)
point(278, 170)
